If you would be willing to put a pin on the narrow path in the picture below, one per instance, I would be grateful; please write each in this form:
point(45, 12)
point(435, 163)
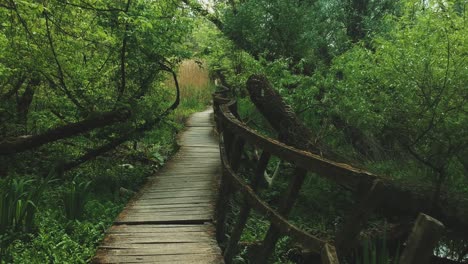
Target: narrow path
point(170, 219)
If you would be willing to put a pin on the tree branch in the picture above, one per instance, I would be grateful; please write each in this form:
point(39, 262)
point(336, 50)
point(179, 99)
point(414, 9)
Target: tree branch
point(123, 74)
point(139, 131)
point(15, 88)
point(23, 143)
point(89, 6)
point(59, 66)
point(196, 7)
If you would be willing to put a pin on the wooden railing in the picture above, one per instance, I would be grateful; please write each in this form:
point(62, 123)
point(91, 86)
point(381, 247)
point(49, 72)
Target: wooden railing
point(234, 135)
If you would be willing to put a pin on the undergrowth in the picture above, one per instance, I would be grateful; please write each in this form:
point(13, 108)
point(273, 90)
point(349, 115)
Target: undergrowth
point(64, 219)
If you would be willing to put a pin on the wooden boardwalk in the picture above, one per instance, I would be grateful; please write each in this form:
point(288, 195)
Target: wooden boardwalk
point(170, 219)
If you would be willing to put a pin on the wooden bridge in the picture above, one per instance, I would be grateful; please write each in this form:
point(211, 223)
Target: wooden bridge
point(173, 219)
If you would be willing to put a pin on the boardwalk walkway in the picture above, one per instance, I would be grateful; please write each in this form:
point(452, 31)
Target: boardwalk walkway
point(170, 219)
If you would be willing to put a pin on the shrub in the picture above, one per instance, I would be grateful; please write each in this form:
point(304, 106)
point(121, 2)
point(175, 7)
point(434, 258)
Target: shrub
point(74, 198)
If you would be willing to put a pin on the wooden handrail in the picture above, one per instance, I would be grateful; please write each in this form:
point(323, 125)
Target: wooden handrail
point(230, 182)
point(343, 174)
point(305, 239)
point(233, 136)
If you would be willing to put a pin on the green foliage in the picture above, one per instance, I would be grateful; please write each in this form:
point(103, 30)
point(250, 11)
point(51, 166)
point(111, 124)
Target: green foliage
point(17, 204)
point(18, 200)
point(392, 71)
point(61, 241)
point(74, 198)
point(376, 252)
point(412, 71)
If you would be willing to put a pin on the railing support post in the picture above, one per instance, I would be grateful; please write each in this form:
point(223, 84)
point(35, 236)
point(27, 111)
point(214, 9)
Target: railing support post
point(223, 198)
point(422, 240)
point(273, 234)
point(236, 234)
point(221, 209)
point(328, 255)
point(235, 153)
point(347, 235)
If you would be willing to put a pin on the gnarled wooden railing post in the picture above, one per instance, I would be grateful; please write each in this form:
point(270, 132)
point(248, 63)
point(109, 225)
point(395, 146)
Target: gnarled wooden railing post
point(422, 240)
point(235, 153)
point(231, 249)
point(224, 194)
point(273, 234)
point(347, 235)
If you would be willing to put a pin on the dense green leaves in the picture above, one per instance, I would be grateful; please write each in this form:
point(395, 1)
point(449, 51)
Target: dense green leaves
point(383, 83)
point(415, 71)
point(62, 62)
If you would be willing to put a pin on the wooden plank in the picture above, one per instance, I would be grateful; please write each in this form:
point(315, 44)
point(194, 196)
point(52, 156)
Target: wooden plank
point(195, 170)
point(184, 174)
point(166, 206)
point(165, 219)
point(160, 238)
point(175, 194)
point(181, 189)
point(209, 229)
point(159, 249)
point(167, 183)
point(165, 195)
point(150, 213)
point(170, 259)
point(184, 181)
point(161, 196)
point(175, 201)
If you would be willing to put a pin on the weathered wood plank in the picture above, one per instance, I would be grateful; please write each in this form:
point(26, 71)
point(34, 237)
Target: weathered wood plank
point(160, 228)
point(160, 238)
point(161, 249)
point(169, 259)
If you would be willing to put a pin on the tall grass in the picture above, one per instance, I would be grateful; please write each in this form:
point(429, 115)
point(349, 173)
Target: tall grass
point(377, 252)
point(192, 77)
point(18, 199)
point(195, 88)
point(74, 198)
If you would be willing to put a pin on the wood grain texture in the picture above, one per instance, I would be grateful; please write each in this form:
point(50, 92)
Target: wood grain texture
point(170, 219)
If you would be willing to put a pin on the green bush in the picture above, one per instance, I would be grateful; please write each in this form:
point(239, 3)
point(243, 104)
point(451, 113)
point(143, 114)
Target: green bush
point(61, 241)
point(18, 199)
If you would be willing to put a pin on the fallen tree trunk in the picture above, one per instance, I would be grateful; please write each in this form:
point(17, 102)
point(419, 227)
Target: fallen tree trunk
point(23, 143)
point(282, 118)
point(397, 199)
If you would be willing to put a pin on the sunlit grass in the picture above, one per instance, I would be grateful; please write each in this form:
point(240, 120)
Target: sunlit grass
point(195, 88)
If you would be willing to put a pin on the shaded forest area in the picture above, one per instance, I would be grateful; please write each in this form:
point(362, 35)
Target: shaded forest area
point(381, 85)
point(88, 110)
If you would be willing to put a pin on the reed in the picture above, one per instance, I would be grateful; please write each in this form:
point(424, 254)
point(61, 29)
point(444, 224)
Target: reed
point(196, 88)
point(74, 198)
point(194, 82)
